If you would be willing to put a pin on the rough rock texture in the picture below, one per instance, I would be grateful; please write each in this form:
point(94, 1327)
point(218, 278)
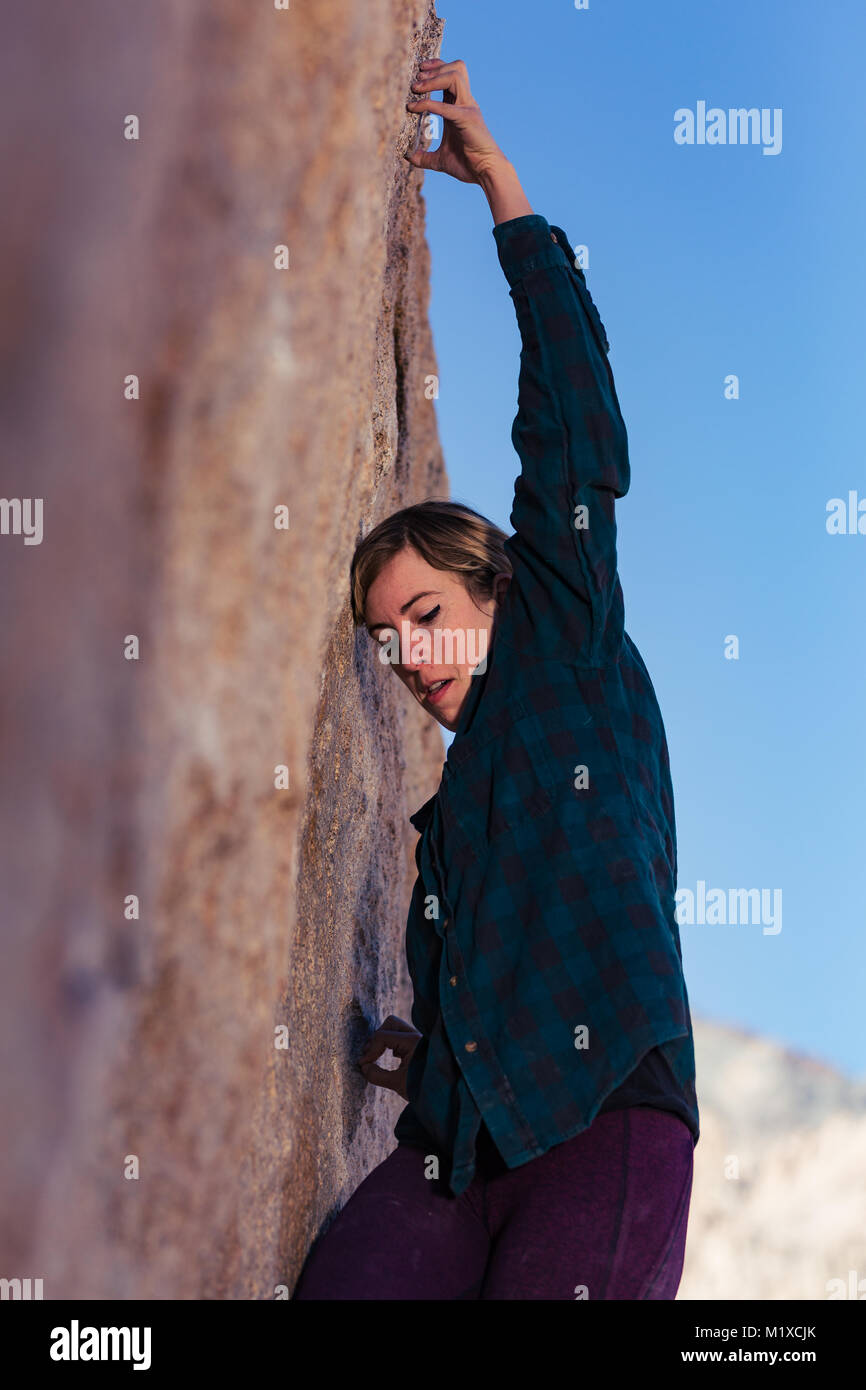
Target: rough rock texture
point(259, 386)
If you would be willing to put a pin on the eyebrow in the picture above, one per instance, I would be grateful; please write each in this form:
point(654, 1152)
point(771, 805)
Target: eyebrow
point(426, 593)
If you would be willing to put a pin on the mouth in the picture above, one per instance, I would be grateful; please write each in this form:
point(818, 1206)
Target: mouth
point(435, 692)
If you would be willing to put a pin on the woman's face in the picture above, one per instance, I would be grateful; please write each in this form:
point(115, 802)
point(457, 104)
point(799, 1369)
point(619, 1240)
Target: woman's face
point(431, 630)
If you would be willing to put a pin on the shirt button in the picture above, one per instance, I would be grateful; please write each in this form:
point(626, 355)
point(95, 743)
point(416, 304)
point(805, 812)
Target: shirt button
point(471, 1046)
point(453, 980)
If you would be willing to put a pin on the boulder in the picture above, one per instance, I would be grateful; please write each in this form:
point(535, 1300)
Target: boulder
point(215, 284)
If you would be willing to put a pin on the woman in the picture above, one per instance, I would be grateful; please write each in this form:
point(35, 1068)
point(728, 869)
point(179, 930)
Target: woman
point(546, 1148)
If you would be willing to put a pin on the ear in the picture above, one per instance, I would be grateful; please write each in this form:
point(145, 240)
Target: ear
point(500, 585)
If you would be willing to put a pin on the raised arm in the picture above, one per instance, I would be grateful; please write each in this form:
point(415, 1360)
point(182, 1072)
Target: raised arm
point(572, 444)
point(569, 432)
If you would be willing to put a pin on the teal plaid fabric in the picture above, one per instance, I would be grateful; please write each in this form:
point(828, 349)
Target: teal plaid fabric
point(542, 940)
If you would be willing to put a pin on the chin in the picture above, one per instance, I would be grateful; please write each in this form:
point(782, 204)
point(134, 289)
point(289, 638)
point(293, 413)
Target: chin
point(450, 721)
point(440, 717)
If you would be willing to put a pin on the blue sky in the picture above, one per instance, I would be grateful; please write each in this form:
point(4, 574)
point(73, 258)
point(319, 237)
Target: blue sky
point(705, 260)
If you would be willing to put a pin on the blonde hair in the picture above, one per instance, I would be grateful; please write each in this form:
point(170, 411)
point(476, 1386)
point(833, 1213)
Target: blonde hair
point(448, 535)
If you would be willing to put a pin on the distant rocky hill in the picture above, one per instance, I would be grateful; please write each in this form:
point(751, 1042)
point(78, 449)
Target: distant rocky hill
point(779, 1198)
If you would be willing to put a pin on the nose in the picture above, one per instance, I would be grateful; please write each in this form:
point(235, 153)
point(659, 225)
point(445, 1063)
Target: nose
point(414, 650)
point(412, 666)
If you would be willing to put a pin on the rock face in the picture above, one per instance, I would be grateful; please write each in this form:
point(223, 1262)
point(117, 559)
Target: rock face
point(158, 1143)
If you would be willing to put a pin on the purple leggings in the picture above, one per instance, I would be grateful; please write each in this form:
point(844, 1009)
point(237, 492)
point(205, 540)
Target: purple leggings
point(600, 1216)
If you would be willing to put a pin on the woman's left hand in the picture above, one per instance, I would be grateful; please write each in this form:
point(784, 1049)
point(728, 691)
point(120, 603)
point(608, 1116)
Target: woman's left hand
point(468, 151)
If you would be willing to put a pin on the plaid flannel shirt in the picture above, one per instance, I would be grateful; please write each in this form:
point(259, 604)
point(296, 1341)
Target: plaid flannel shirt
point(542, 939)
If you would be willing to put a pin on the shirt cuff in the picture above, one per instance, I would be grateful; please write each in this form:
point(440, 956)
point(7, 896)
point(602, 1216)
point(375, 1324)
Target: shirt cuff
point(525, 244)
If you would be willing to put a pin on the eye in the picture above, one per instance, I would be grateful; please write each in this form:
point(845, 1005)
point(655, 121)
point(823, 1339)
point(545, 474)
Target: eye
point(432, 614)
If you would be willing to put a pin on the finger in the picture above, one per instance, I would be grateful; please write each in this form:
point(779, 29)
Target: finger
point(437, 67)
point(447, 109)
point(423, 159)
point(392, 1025)
point(450, 64)
point(435, 80)
point(379, 1043)
point(447, 80)
point(456, 75)
point(378, 1076)
point(395, 1042)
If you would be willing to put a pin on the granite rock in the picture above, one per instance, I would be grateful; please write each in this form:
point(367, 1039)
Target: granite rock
point(159, 1144)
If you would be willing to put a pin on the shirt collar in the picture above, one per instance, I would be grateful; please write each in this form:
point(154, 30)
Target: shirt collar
point(423, 814)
